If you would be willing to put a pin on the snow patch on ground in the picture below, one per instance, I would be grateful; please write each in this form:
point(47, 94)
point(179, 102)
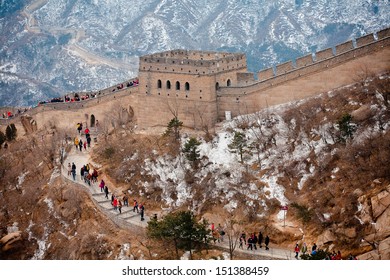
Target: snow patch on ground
point(42, 246)
point(327, 216)
point(274, 189)
point(21, 179)
point(123, 254)
point(185, 256)
point(13, 228)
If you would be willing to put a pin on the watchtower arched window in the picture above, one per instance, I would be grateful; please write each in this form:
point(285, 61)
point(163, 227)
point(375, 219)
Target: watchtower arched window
point(159, 84)
point(229, 83)
point(177, 85)
point(187, 86)
point(217, 86)
point(168, 84)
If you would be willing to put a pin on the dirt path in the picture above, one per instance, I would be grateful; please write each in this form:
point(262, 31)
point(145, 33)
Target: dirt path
point(129, 218)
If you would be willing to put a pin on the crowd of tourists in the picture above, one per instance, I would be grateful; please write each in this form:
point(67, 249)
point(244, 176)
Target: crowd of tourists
point(250, 241)
point(10, 114)
point(315, 250)
point(118, 202)
point(86, 96)
point(78, 142)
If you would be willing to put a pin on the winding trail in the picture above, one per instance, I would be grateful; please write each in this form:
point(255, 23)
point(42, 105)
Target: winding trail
point(129, 219)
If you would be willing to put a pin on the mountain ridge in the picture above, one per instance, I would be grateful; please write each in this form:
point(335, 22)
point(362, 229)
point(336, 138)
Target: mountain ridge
point(268, 33)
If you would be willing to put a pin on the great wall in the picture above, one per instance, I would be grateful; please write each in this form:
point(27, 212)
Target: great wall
point(203, 88)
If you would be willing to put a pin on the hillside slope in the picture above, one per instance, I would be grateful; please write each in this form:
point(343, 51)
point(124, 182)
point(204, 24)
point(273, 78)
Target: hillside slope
point(326, 158)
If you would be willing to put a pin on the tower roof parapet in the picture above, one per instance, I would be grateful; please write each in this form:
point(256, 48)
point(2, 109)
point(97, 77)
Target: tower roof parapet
point(206, 60)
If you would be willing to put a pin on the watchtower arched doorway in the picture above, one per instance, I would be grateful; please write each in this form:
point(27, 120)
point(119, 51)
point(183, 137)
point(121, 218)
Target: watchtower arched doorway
point(217, 86)
point(229, 83)
point(92, 121)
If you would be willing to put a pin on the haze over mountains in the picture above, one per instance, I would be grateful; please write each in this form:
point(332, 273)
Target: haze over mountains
point(48, 48)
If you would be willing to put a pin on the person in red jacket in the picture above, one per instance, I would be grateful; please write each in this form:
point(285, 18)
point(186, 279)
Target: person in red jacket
point(115, 203)
point(296, 250)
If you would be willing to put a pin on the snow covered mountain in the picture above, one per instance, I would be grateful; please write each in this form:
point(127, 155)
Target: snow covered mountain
point(51, 47)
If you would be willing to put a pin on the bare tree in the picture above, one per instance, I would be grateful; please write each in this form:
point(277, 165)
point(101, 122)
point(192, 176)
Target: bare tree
point(203, 123)
point(233, 235)
point(362, 74)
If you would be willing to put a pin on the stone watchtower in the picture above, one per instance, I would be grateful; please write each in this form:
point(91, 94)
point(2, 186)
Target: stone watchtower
point(184, 83)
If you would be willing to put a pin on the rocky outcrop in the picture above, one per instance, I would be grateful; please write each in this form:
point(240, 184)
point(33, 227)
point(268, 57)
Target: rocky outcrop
point(372, 255)
point(384, 249)
point(29, 124)
point(375, 213)
point(326, 238)
point(8, 240)
point(380, 203)
point(383, 224)
point(364, 112)
point(381, 253)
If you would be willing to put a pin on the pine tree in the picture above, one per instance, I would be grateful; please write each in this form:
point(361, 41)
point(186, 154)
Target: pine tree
point(346, 127)
point(10, 132)
point(174, 127)
point(191, 149)
point(181, 228)
point(239, 145)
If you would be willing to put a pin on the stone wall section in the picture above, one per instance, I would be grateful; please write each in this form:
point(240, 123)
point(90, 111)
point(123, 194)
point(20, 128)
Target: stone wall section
point(265, 74)
point(284, 68)
point(318, 77)
point(245, 78)
point(304, 61)
point(324, 54)
point(345, 47)
point(383, 33)
point(365, 40)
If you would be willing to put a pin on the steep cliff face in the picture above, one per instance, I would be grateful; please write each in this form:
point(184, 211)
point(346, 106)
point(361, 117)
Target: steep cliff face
point(49, 48)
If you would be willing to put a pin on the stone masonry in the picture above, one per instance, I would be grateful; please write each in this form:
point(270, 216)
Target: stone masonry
point(202, 87)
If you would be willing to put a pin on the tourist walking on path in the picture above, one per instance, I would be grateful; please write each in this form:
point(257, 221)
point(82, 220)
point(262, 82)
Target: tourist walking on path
point(76, 142)
point(74, 171)
point(106, 191)
point(142, 208)
point(135, 206)
point(314, 249)
point(79, 127)
point(260, 239)
point(241, 243)
point(69, 169)
point(266, 241)
point(81, 145)
point(250, 243)
point(243, 236)
point(221, 232)
point(254, 239)
point(304, 248)
point(115, 203)
point(296, 250)
point(120, 206)
point(125, 200)
point(101, 185)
